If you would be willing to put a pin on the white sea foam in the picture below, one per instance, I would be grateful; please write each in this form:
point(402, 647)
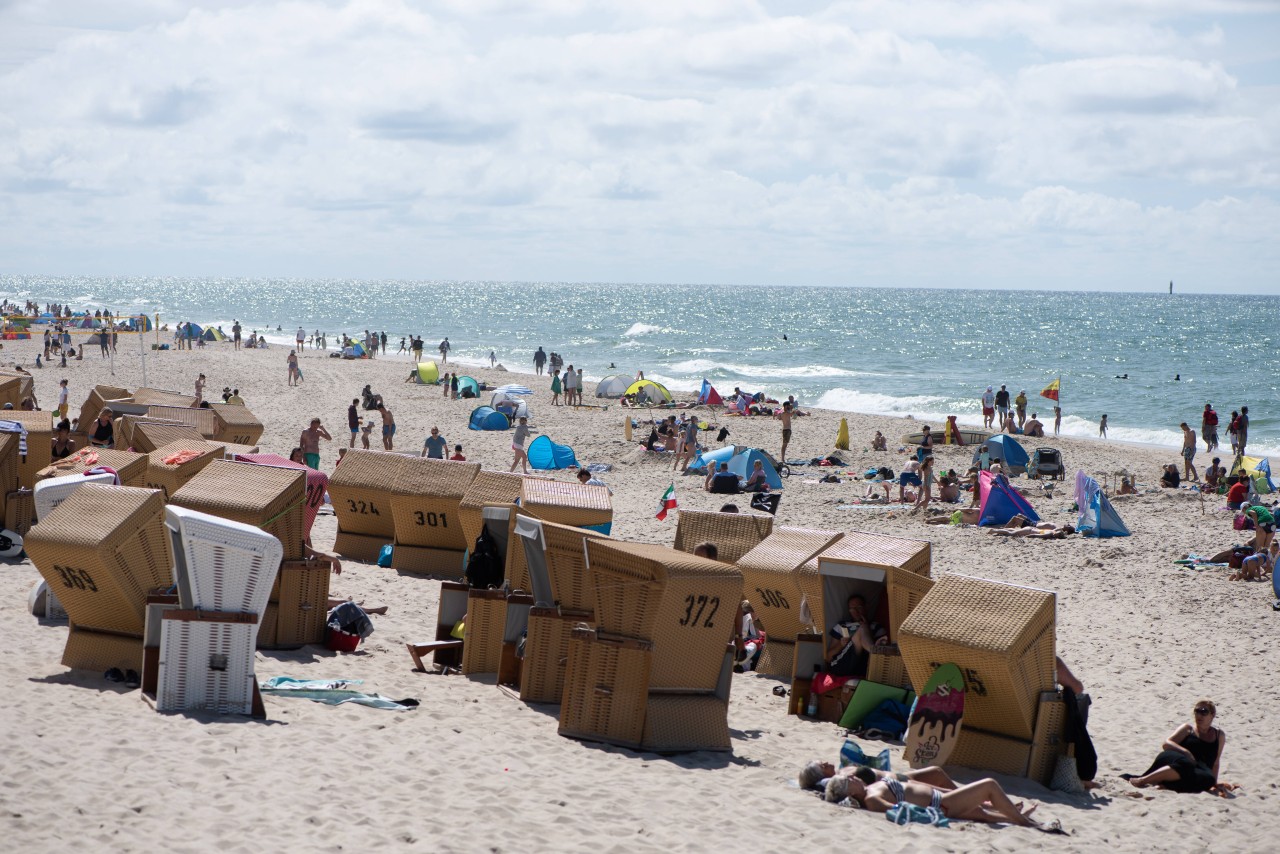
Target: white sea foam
point(924, 407)
point(642, 329)
point(706, 366)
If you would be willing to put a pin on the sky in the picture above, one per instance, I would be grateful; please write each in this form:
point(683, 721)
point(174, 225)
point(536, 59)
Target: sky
point(1056, 144)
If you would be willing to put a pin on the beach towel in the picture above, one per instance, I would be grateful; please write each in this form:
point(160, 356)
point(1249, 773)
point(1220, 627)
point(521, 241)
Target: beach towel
point(851, 754)
point(903, 814)
point(7, 426)
point(332, 692)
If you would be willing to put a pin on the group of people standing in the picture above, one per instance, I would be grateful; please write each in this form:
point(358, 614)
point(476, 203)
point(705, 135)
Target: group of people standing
point(1006, 415)
point(570, 386)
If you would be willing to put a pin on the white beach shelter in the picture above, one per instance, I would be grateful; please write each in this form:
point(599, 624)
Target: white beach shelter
point(613, 386)
point(512, 406)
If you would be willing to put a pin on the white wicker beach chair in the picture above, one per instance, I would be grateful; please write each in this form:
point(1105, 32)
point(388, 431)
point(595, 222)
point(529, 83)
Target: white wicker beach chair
point(51, 492)
point(220, 565)
point(206, 662)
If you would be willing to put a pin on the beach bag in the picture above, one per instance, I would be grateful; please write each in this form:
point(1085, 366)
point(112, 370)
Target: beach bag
point(385, 555)
point(485, 567)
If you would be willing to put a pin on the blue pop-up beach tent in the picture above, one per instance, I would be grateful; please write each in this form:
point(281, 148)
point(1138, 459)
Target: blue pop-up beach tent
point(741, 460)
point(1003, 449)
point(1000, 501)
point(1097, 517)
point(488, 418)
point(545, 454)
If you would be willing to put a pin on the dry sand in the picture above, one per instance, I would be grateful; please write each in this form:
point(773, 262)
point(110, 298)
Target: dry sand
point(87, 764)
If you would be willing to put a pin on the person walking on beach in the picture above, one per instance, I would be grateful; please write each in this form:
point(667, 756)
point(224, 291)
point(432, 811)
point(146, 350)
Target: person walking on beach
point(444, 351)
point(388, 426)
point(1233, 431)
point(569, 379)
point(63, 399)
point(1242, 429)
point(493, 359)
point(435, 445)
point(1020, 405)
point(310, 443)
point(577, 386)
point(1102, 427)
point(687, 444)
point(1057, 419)
point(1188, 453)
point(403, 349)
point(988, 408)
point(353, 420)
point(1002, 404)
point(200, 381)
point(383, 340)
point(1209, 428)
point(293, 367)
point(783, 415)
point(517, 446)
point(539, 361)
point(555, 388)
point(235, 333)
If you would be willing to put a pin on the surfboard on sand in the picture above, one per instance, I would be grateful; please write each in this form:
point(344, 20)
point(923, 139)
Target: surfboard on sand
point(935, 721)
point(970, 437)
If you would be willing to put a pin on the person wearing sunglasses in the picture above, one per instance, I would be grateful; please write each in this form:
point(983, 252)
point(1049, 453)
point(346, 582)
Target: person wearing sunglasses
point(1190, 758)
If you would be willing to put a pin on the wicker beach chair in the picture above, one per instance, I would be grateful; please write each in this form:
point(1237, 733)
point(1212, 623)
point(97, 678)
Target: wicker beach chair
point(606, 688)
point(734, 534)
point(556, 559)
point(683, 604)
point(488, 488)
point(268, 498)
point(102, 550)
point(170, 477)
point(162, 397)
point(15, 387)
point(51, 492)
point(130, 467)
point(770, 580)
point(99, 396)
point(144, 435)
point(197, 418)
point(298, 606)
point(424, 507)
point(235, 424)
point(221, 565)
point(360, 488)
point(868, 549)
point(317, 483)
point(1001, 636)
point(568, 503)
point(39, 426)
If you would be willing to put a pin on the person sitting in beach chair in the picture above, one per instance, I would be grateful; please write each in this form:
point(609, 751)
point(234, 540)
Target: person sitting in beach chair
point(849, 647)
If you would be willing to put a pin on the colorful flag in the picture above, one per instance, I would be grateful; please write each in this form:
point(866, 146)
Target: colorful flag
point(1051, 390)
point(668, 503)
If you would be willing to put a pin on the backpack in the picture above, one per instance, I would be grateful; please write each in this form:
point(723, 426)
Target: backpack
point(485, 568)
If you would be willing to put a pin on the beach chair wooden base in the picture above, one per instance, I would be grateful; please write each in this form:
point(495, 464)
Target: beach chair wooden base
point(546, 653)
point(606, 689)
point(19, 511)
point(1049, 742)
point(679, 723)
point(206, 662)
point(299, 605)
point(362, 547)
point(777, 658)
point(885, 666)
point(445, 564)
point(810, 652)
point(100, 651)
point(486, 622)
point(986, 751)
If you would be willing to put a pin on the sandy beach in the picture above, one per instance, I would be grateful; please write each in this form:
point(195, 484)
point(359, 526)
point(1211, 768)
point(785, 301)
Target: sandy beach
point(88, 764)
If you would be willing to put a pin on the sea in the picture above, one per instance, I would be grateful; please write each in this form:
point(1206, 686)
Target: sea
point(1147, 360)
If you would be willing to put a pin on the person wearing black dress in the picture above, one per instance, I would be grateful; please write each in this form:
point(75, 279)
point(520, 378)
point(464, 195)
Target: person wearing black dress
point(1189, 760)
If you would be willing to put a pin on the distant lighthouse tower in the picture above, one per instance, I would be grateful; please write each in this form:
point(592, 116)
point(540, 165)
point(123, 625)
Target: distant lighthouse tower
point(1170, 286)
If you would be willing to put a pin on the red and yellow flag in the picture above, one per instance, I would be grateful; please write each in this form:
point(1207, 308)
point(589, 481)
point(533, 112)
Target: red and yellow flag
point(1051, 390)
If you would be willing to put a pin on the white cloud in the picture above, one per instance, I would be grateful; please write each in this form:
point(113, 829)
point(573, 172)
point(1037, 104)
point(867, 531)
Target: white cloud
point(720, 141)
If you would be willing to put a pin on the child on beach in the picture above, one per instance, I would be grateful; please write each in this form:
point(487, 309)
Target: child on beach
point(1102, 427)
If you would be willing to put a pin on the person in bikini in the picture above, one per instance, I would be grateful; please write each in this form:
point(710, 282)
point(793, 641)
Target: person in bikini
point(982, 800)
point(815, 774)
